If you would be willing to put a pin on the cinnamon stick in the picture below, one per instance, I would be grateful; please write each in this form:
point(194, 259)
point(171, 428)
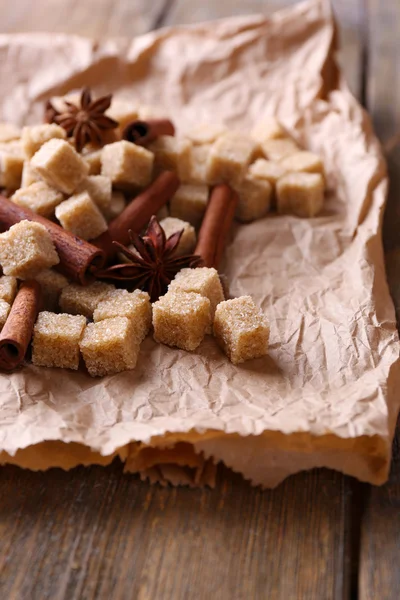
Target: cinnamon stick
point(138, 212)
point(144, 132)
point(216, 225)
point(77, 257)
point(18, 329)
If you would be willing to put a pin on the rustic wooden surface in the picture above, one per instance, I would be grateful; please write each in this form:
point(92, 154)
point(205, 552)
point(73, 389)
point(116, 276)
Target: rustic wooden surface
point(96, 533)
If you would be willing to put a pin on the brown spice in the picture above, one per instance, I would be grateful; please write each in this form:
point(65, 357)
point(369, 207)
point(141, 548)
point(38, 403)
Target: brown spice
point(144, 132)
point(85, 123)
point(77, 257)
point(18, 329)
point(216, 225)
point(155, 262)
point(138, 212)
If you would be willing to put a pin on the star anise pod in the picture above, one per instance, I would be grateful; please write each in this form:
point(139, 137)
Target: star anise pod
point(86, 122)
point(154, 264)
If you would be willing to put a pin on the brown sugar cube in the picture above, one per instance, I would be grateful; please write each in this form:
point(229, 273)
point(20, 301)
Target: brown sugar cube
point(204, 281)
point(5, 308)
point(229, 158)
point(267, 128)
point(189, 203)
point(267, 170)
point(241, 329)
point(60, 165)
point(99, 189)
point(9, 132)
point(300, 194)
point(254, 199)
point(52, 284)
point(116, 207)
point(205, 133)
point(80, 215)
point(303, 162)
point(163, 213)
point(11, 164)
point(56, 340)
point(123, 111)
point(92, 157)
point(8, 288)
point(39, 197)
point(135, 306)
point(277, 150)
point(110, 346)
point(188, 238)
point(198, 170)
point(172, 153)
point(33, 137)
point(127, 165)
point(78, 300)
point(25, 249)
point(181, 319)
point(29, 175)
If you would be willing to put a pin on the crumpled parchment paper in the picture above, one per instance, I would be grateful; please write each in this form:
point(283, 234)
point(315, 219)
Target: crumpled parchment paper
point(325, 395)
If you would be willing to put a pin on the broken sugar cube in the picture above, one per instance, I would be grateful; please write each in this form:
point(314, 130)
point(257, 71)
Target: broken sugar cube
point(229, 158)
point(205, 133)
point(60, 165)
point(34, 136)
point(267, 170)
point(187, 242)
point(189, 203)
point(9, 132)
point(266, 129)
point(38, 197)
point(8, 288)
point(52, 284)
point(25, 249)
point(99, 189)
point(5, 308)
point(172, 153)
point(11, 164)
point(254, 199)
point(241, 329)
point(127, 165)
point(78, 300)
point(92, 157)
point(277, 150)
point(80, 215)
point(181, 319)
point(198, 168)
point(303, 162)
point(29, 175)
point(116, 207)
point(300, 194)
point(135, 306)
point(204, 281)
point(110, 346)
point(56, 340)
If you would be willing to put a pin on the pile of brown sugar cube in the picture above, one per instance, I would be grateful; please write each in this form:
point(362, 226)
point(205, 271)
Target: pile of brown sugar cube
point(41, 169)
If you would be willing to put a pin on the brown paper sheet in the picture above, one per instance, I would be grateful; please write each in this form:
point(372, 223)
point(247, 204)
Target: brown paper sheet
point(326, 394)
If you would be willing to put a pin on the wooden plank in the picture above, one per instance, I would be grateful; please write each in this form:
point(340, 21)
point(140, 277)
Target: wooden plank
point(98, 534)
point(379, 574)
point(350, 16)
point(94, 18)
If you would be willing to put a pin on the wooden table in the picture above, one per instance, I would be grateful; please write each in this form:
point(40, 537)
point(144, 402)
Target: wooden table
point(95, 533)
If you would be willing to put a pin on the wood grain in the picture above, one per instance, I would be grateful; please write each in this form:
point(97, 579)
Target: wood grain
point(96, 533)
point(379, 573)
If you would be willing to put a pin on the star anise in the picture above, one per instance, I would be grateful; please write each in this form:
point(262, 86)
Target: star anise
point(154, 264)
point(86, 122)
